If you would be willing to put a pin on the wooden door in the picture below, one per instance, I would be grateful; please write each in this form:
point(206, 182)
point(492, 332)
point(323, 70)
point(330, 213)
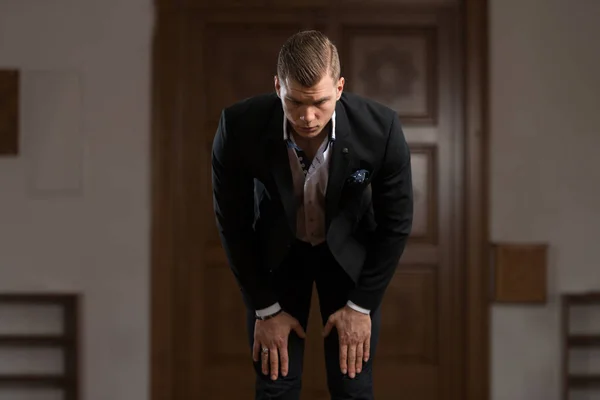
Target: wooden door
point(407, 58)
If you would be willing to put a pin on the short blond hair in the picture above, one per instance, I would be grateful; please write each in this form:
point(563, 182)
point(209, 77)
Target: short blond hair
point(306, 57)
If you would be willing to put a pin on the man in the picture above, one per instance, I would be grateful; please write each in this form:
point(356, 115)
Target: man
point(311, 185)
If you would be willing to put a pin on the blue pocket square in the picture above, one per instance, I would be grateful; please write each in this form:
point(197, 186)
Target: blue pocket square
point(359, 176)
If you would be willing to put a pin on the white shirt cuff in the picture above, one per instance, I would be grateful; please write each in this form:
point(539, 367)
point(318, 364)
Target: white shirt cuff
point(358, 308)
point(265, 312)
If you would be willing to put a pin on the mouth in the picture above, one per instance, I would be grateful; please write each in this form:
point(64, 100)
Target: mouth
point(308, 129)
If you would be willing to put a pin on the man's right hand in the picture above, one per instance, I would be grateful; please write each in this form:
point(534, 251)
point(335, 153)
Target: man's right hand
point(273, 334)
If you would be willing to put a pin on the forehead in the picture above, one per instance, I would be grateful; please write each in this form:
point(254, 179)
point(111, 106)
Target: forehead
point(323, 88)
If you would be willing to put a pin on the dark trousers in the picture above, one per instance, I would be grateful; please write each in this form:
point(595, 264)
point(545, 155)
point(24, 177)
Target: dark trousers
point(294, 281)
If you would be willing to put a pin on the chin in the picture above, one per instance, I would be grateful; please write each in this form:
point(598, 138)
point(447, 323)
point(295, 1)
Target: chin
point(308, 134)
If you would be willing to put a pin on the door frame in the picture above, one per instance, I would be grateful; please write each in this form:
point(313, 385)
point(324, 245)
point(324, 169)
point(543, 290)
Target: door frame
point(173, 339)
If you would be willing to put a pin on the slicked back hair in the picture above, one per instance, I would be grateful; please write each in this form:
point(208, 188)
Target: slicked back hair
point(306, 57)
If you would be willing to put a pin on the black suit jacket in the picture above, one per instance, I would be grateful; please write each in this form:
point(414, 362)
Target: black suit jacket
point(368, 222)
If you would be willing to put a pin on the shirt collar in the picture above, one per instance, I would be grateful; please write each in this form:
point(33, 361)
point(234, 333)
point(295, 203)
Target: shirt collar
point(286, 135)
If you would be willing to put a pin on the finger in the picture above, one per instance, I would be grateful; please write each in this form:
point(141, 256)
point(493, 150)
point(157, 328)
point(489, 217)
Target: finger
point(344, 358)
point(367, 346)
point(299, 330)
point(264, 362)
point(274, 357)
point(284, 359)
point(255, 351)
point(352, 360)
point(328, 326)
point(359, 357)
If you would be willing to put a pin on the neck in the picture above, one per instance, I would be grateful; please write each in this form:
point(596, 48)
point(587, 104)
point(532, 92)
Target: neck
point(310, 146)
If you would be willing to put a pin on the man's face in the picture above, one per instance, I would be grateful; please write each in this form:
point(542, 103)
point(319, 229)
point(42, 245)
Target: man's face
point(309, 109)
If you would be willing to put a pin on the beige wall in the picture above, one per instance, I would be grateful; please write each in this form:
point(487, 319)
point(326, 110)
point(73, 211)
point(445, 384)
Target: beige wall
point(545, 167)
point(74, 208)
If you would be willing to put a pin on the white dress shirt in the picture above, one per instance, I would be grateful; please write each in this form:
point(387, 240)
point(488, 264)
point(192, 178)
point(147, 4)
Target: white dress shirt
point(310, 185)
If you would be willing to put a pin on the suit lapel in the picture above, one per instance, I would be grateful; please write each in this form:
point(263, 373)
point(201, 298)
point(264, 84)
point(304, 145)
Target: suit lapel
point(279, 166)
point(340, 163)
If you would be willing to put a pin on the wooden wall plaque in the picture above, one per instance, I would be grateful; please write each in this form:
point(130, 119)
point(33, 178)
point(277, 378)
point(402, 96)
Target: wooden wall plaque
point(519, 273)
point(9, 112)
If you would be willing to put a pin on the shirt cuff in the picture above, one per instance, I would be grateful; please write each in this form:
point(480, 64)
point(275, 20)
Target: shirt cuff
point(358, 308)
point(265, 312)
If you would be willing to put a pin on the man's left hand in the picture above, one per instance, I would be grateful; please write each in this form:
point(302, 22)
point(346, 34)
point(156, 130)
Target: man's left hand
point(354, 331)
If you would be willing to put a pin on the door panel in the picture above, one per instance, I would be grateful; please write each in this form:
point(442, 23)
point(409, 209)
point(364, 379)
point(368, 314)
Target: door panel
point(395, 65)
point(243, 60)
point(409, 61)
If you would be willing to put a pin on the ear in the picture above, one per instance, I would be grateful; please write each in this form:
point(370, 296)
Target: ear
point(340, 87)
point(277, 86)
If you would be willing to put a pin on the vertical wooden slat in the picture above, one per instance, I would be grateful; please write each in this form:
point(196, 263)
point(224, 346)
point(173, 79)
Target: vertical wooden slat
point(475, 31)
point(163, 67)
point(71, 354)
point(565, 323)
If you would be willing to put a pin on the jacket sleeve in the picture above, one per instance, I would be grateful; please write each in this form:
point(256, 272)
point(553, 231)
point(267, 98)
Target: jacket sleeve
point(233, 201)
point(393, 210)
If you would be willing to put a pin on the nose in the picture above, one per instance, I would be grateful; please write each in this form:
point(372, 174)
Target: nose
point(307, 117)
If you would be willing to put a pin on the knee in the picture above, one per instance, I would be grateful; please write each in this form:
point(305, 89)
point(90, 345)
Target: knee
point(358, 388)
point(283, 385)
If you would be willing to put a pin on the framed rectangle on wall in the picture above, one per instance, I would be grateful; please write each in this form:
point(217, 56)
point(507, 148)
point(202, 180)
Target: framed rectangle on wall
point(9, 112)
point(520, 273)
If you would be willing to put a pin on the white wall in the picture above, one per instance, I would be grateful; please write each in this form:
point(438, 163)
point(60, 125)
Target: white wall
point(74, 206)
point(545, 171)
